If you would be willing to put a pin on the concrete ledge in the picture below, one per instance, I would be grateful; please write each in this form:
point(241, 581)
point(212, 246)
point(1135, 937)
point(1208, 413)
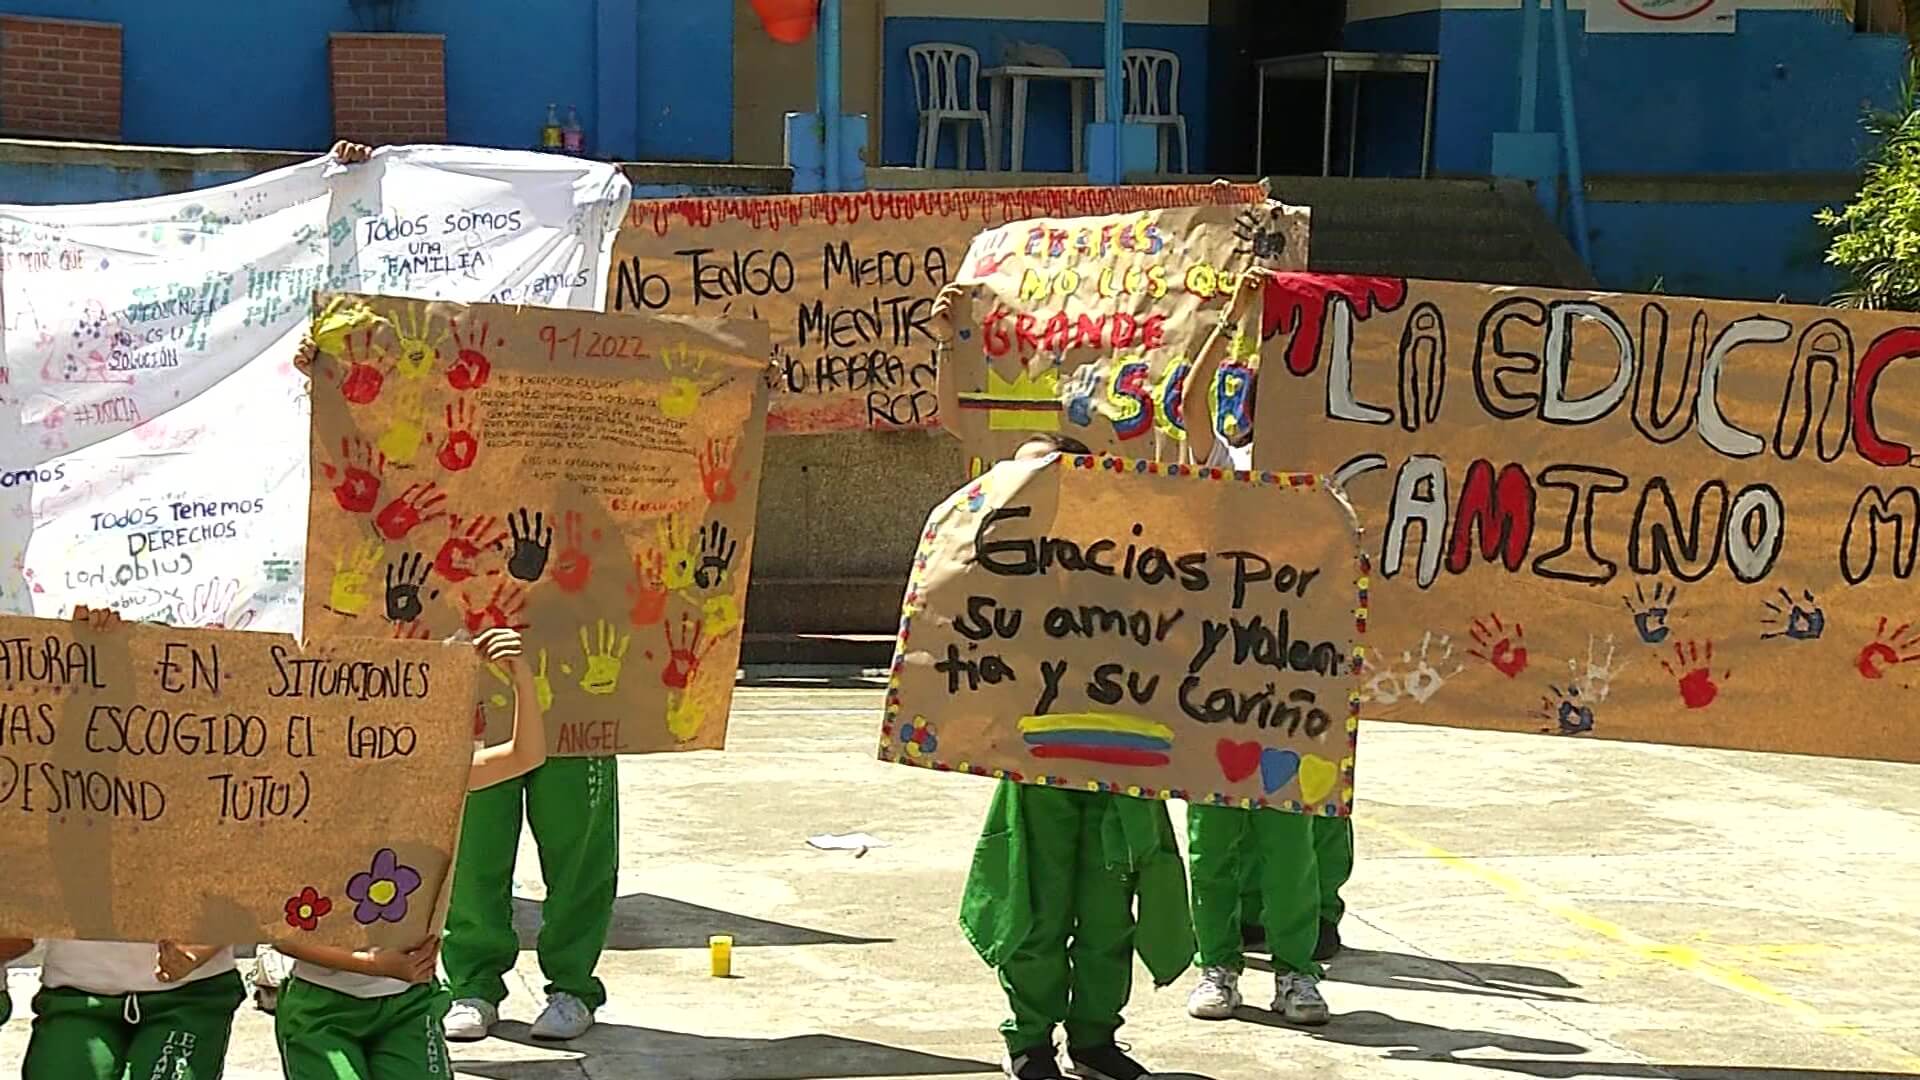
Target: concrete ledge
point(769, 179)
point(1724, 188)
point(157, 158)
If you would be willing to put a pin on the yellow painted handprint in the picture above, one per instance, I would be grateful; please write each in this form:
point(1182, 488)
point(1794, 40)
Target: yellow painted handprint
point(603, 664)
point(682, 395)
point(401, 441)
point(418, 351)
point(349, 594)
point(542, 685)
point(721, 615)
point(338, 320)
point(676, 542)
point(684, 716)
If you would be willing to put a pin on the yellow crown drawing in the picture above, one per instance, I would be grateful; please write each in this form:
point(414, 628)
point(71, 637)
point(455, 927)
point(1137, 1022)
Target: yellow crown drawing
point(1026, 402)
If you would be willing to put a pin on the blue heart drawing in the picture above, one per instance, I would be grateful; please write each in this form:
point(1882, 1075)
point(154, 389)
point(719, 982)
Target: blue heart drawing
point(1277, 769)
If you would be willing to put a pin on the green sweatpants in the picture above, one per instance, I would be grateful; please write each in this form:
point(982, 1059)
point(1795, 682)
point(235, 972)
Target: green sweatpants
point(178, 1034)
point(1217, 839)
point(327, 1035)
point(1075, 966)
point(1332, 853)
point(572, 805)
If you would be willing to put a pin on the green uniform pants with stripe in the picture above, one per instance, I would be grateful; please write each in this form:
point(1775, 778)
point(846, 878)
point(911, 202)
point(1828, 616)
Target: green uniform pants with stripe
point(573, 807)
point(178, 1034)
point(1332, 852)
point(327, 1035)
point(1075, 966)
point(1221, 842)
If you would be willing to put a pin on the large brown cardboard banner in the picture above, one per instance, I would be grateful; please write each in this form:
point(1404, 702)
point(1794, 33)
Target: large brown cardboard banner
point(1627, 517)
point(1091, 327)
point(228, 788)
point(1162, 631)
point(845, 281)
point(590, 479)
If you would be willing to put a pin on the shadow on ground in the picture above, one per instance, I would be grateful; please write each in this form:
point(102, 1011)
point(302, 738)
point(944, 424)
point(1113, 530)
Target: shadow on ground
point(701, 1057)
point(643, 921)
point(1409, 1040)
point(1404, 971)
point(1575, 1070)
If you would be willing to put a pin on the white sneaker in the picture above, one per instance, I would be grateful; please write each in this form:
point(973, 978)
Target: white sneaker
point(1297, 999)
point(1217, 995)
point(471, 1019)
point(565, 1017)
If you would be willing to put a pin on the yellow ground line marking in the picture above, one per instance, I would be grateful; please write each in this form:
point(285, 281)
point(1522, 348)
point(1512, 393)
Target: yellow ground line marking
point(1683, 957)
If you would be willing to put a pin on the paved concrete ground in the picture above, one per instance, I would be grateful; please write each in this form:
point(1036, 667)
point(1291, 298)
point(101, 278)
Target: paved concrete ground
point(1523, 907)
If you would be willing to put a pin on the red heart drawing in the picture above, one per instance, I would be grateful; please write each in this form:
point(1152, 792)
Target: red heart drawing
point(1238, 760)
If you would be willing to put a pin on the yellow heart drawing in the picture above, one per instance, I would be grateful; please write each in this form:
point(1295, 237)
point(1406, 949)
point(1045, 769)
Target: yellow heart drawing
point(1317, 776)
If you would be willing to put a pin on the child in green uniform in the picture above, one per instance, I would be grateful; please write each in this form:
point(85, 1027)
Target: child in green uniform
point(572, 804)
point(376, 1014)
point(1050, 905)
point(1290, 908)
point(108, 1010)
point(1333, 855)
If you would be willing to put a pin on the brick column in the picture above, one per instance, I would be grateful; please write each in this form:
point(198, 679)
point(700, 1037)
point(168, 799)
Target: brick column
point(389, 88)
point(59, 77)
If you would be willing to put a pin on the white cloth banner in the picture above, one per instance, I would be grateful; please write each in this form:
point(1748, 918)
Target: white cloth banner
point(1660, 16)
point(153, 428)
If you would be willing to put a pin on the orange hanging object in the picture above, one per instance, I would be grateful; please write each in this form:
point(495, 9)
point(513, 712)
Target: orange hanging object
point(788, 22)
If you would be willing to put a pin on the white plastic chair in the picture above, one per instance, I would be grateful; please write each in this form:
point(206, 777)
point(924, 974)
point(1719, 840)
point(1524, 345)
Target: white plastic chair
point(1146, 106)
point(946, 89)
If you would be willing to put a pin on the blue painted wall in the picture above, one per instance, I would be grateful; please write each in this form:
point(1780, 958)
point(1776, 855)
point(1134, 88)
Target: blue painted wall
point(1781, 94)
point(1049, 146)
point(42, 185)
point(254, 75)
point(1741, 251)
point(1784, 93)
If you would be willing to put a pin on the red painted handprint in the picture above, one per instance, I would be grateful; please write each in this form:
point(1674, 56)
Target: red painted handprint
point(572, 567)
point(716, 470)
point(411, 631)
point(1693, 668)
point(501, 609)
point(649, 589)
point(414, 507)
point(359, 474)
point(470, 369)
point(1888, 648)
point(366, 371)
point(454, 563)
point(462, 443)
point(685, 650)
point(1501, 648)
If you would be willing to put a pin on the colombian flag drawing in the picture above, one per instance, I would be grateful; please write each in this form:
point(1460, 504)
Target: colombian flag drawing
point(1106, 738)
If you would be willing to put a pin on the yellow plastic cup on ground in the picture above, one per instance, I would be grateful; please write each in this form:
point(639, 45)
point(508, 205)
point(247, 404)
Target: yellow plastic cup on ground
point(720, 950)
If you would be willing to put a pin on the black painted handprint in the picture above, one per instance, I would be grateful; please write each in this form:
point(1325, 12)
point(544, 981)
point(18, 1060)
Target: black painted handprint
point(716, 556)
point(405, 579)
point(532, 539)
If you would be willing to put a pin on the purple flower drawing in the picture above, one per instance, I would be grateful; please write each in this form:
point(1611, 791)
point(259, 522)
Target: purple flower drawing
point(383, 890)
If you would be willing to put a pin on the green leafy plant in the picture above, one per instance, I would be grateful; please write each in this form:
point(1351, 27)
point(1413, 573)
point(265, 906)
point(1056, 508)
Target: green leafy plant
point(1876, 237)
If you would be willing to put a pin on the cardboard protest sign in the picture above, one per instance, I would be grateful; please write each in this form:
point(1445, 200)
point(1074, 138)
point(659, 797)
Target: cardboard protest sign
point(1164, 631)
point(228, 788)
point(845, 281)
point(1095, 328)
point(590, 479)
point(153, 426)
point(1628, 517)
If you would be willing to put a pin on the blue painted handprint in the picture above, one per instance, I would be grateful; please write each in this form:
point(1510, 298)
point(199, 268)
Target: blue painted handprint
point(1795, 620)
point(1651, 612)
